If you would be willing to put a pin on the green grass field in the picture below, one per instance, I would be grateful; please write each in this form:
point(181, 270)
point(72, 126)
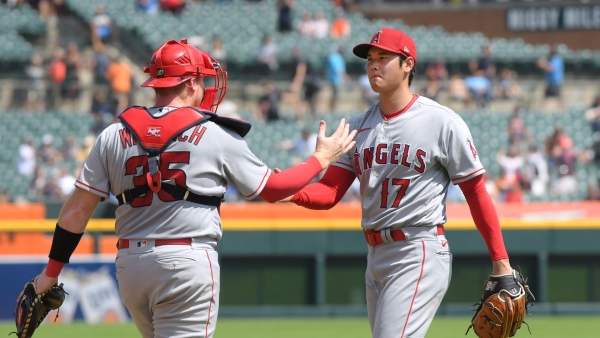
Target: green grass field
point(443, 327)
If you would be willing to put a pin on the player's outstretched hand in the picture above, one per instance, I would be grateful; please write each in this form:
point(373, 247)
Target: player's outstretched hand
point(330, 149)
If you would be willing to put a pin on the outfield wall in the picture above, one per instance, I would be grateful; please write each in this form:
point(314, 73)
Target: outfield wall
point(284, 260)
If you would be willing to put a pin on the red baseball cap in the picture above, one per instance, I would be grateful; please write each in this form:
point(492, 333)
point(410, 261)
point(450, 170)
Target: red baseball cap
point(390, 39)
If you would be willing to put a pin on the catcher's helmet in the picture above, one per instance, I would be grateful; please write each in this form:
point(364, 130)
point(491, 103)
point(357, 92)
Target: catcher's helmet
point(176, 62)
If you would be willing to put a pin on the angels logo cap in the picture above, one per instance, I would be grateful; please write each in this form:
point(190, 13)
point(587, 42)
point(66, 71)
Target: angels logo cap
point(390, 39)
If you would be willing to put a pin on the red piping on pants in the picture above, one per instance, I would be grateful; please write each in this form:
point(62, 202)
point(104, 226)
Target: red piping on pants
point(212, 297)
point(416, 290)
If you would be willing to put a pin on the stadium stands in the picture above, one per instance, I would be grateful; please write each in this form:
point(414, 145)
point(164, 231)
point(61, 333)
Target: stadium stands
point(15, 21)
point(235, 22)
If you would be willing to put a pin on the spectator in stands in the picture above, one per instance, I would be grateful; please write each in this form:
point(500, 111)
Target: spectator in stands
point(70, 87)
point(52, 190)
point(457, 89)
point(268, 104)
point(286, 13)
point(101, 26)
point(100, 64)
point(335, 73)
point(27, 157)
point(564, 157)
point(228, 108)
point(593, 192)
point(47, 152)
point(70, 149)
point(537, 174)
point(512, 165)
point(312, 87)
point(119, 75)
point(147, 6)
point(305, 26)
point(100, 104)
point(36, 89)
point(320, 26)
point(37, 185)
point(269, 54)
point(297, 74)
point(57, 70)
point(491, 187)
point(300, 146)
point(519, 135)
point(173, 6)
point(340, 27)
point(510, 190)
point(509, 88)
point(480, 88)
point(592, 115)
point(368, 95)
point(65, 182)
point(217, 50)
point(484, 63)
point(553, 67)
point(436, 74)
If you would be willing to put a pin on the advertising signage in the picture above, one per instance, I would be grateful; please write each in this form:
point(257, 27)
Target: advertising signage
point(531, 19)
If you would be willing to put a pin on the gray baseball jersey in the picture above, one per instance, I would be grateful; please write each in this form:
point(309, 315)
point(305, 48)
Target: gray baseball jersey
point(203, 158)
point(405, 161)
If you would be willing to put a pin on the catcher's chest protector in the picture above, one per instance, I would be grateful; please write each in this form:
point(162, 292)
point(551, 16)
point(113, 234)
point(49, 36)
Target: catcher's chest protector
point(154, 134)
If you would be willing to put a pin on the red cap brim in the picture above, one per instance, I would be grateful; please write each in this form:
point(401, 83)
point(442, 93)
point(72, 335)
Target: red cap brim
point(165, 82)
point(363, 49)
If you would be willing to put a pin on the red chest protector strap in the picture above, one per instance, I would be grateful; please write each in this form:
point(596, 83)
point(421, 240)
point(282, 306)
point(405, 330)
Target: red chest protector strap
point(154, 134)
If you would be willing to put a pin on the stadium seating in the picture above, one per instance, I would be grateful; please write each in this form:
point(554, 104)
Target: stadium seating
point(242, 26)
point(19, 124)
point(488, 131)
point(15, 21)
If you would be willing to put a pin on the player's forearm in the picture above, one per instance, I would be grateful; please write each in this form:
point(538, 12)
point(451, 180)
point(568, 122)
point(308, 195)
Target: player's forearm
point(72, 221)
point(326, 193)
point(485, 216)
point(290, 181)
point(77, 210)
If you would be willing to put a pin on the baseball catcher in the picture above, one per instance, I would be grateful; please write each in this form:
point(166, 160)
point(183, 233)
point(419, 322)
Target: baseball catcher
point(33, 307)
point(503, 305)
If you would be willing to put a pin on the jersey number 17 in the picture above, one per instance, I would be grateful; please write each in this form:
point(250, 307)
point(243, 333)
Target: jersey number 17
point(403, 185)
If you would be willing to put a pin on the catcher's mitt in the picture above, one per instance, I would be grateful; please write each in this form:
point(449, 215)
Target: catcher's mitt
point(504, 303)
point(33, 307)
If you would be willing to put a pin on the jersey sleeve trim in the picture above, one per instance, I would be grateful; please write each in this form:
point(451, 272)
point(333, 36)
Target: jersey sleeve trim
point(91, 189)
point(261, 186)
point(458, 180)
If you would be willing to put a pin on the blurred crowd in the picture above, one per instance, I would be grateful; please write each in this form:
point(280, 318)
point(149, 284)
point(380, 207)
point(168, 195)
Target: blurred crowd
point(486, 83)
point(59, 78)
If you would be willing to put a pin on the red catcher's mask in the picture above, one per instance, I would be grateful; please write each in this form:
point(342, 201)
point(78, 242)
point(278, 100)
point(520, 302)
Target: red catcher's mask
point(176, 62)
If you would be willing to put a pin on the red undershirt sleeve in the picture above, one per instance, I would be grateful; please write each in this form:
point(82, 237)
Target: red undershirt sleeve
point(326, 193)
point(485, 216)
point(290, 181)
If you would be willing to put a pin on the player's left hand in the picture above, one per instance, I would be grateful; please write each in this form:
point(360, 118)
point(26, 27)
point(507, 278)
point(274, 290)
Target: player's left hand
point(43, 283)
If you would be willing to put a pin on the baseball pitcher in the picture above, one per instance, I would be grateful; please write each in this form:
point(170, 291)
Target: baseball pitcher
point(408, 150)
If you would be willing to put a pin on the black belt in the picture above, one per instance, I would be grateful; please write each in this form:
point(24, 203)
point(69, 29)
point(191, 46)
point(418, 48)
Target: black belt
point(177, 192)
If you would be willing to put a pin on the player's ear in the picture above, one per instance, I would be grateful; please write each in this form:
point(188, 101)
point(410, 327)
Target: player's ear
point(407, 63)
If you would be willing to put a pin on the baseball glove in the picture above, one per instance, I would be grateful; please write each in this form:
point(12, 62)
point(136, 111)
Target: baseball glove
point(33, 307)
point(503, 305)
